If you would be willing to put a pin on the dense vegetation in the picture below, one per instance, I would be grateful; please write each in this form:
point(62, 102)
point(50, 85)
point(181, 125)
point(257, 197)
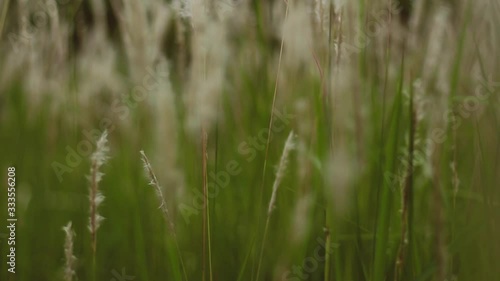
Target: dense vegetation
point(282, 140)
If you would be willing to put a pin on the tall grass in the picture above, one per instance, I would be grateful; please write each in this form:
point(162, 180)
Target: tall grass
point(280, 173)
point(163, 206)
point(393, 105)
point(98, 158)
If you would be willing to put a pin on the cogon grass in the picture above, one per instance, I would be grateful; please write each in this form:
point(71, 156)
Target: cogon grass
point(280, 173)
point(70, 259)
point(430, 59)
point(153, 181)
point(98, 158)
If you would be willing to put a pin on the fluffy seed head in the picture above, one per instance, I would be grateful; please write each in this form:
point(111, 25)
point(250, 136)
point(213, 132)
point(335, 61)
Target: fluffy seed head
point(289, 145)
point(340, 176)
point(153, 181)
point(301, 218)
point(98, 158)
point(297, 36)
point(69, 268)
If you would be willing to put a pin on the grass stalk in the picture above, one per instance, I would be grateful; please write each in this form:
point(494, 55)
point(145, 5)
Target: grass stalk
point(98, 158)
point(289, 145)
point(163, 206)
point(206, 209)
point(327, 253)
point(384, 201)
point(275, 93)
point(268, 140)
point(70, 259)
point(271, 118)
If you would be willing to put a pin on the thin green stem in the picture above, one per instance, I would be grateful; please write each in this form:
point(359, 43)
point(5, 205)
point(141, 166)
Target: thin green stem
point(262, 247)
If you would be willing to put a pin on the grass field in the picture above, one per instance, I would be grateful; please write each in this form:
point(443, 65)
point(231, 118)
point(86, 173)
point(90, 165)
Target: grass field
point(249, 140)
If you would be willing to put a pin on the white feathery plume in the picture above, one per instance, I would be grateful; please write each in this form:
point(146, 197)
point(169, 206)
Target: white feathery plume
point(97, 63)
point(301, 219)
point(298, 36)
point(135, 34)
point(210, 51)
point(196, 11)
point(166, 139)
point(98, 158)
point(153, 181)
point(289, 145)
point(143, 25)
point(69, 268)
point(438, 54)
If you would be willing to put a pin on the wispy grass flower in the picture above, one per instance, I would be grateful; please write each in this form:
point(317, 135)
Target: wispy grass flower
point(289, 145)
point(300, 218)
point(69, 267)
point(98, 158)
point(153, 181)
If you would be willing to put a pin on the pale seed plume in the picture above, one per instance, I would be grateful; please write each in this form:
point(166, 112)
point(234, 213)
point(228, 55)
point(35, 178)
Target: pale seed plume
point(298, 36)
point(98, 158)
point(153, 181)
point(69, 267)
point(280, 173)
point(289, 145)
point(340, 176)
point(210, 51)
point(301, 221)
